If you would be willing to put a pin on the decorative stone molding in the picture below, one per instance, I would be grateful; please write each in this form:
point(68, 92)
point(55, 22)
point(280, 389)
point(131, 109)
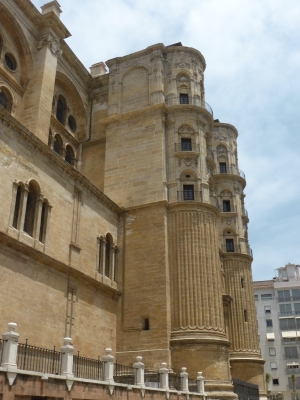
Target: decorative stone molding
point(51, 42)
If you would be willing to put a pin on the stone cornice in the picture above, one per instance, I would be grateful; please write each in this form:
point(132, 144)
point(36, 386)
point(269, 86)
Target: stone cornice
point(185, 206)
point(74, 62)
point(225, 125)
point(54, 158)
point(50, 20)
point(236, 257)
point(57, 265)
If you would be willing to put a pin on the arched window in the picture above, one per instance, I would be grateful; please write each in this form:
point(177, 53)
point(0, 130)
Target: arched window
point(61, 110)
point(58, 145)
point(5, 99)
point(17, 207)
point(70, 156)
point(30, 208)
point(42, 232)
point(109, 241)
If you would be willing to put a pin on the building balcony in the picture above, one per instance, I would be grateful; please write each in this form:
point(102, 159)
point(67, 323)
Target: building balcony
point(291, 371)
point(229, 171)
point(187, 148)
point(289, 313)
point(188, 100)
point(189, 196)
point(291, 357)
point(236, 249)
point(227, 209)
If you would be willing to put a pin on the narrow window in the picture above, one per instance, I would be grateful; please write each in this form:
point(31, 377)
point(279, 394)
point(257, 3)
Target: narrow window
point(146, 324)
point(242, 283)
point(70, 157)
point(226, 206)
point(61, 110)
point(5, 99)
point(43, 223)
point(245, 316)
point(223, 168)
point(269, 323)
point(30, 210)
point(184, 98)
point(229, 246)
point(100, 253)
point(72, 123)
point(186, 144)
point(17, 208)
point(58, 145)
point(107, 254)
point(188, 192)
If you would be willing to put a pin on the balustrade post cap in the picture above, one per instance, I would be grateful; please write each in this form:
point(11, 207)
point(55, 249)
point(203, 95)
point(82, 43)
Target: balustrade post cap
point(200, 377)
point(139, 358)
point(12, 326)
point(108, 351)
point(67, 341)
point(183, 369)
point(164, 365)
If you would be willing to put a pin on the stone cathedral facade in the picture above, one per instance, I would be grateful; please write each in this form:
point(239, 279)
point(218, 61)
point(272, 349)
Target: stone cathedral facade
point(122, 206)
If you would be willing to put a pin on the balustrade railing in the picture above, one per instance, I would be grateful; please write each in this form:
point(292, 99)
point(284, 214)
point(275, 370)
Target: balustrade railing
point(193, 386)
point(237, 249)
point(192, 147)
point(32, 358)
point(229, 171)
point(88, 368)
point(245, 390)
point(189, 196)
point(124, 374)
point(227, 209)
point(192, 100)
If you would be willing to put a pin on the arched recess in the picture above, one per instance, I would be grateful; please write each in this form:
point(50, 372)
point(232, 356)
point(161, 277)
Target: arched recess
point(6, 98)
point(70, 155)
point(188, 185)
point(30, 213)
point(109, 243)
point(24, 52)
point(135, 89)
point(74, 103)
point(58, 145)
point(229, 240)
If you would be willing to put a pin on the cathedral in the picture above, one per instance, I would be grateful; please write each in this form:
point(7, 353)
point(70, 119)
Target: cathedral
point(122, 202)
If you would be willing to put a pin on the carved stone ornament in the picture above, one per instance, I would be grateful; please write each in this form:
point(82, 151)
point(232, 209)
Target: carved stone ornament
point(225, 193)
point(48, 40)
point(183, 64)
point(230, 221)
point(237, 188)
point(189, 161)
point(221, 150)
point(221, 137)
point(185, 129)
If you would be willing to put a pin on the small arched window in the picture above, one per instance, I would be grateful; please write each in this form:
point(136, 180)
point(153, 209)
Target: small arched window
point(58, 145)
point(61, 110)
point(109, 242)
point(70, 156)
point(17, 207)
point(5, 99)
point(42, 232)
point(30, 208)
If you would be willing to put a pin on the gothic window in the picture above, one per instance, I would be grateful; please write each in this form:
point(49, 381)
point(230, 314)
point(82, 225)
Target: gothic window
point(70, 156)
point(188, 192)
point(61, 110)
point(186, 144)
point(43, 226)
point(184, 98)
point(30, 209)
point(5, 99)
point(72, 123)
point(58, 145)
point(10, 62)
point(107, 260)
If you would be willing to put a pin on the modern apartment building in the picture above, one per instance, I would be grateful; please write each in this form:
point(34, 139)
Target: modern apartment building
point(278, 315)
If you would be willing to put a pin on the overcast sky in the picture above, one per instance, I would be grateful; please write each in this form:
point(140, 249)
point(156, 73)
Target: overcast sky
point(252, 80)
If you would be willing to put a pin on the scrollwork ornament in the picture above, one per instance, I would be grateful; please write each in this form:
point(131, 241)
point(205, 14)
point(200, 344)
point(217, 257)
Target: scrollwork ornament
point(52, 43)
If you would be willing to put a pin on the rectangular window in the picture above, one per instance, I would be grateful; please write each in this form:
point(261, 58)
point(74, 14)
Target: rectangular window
point(223, 168)
point(255, 297)
point(297, 308)
point(273, 365)
point(287, 323)
point(245, 316)
point(186, 144)
point(229, 246)
point(226, 206)
point(275, 381)
point(184, 98)
point(267, 309)
point(291, 352)
point(272, 351)
point(146, 324)
point(285, 309)
point(284, 295)
point(188, 192)
point(265, 297)
point(296, 294)
point(242, 283)
point(269, 322)
point(289, 340)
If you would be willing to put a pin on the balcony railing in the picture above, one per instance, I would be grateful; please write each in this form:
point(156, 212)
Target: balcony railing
point(237, 249)
point(229, 171)
point(190, 100)
point(288, 313)
point(291, 356)
point(291, 371)
point(210, 153)
point(189, 196)
point(182, 147)
point(226, 209)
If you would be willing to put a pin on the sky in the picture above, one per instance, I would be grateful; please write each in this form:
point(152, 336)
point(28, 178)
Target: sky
point(252, 81)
